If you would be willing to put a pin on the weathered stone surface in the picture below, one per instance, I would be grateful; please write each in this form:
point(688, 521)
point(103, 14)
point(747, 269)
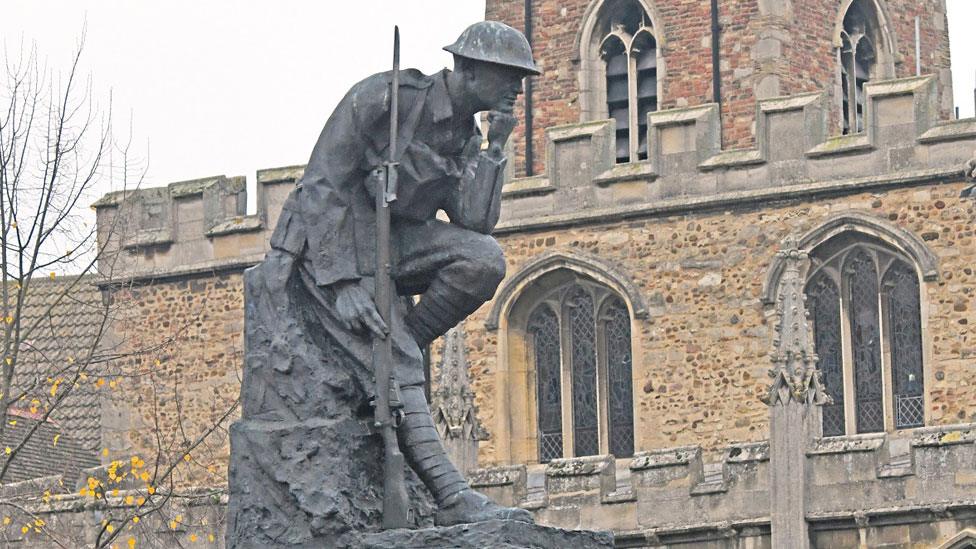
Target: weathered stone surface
point(308, 472)
point(497, 534)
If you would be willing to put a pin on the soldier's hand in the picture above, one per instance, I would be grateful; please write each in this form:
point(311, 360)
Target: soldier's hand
point(356, 309)
point(500, 126)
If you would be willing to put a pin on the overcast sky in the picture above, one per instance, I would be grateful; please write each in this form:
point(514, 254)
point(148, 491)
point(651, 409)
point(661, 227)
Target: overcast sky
point(230, 87)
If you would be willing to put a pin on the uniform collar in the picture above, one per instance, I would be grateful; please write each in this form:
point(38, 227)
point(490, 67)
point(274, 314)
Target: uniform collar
point(440, 98)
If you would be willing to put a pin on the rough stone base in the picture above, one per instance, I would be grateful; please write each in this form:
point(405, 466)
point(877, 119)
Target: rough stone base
point(497, 534)
point(305, 469)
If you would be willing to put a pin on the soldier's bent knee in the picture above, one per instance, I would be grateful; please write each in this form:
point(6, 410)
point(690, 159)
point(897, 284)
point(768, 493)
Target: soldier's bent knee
point(490, 262)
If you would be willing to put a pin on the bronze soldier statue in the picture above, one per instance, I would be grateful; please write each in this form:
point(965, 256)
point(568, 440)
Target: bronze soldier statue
point(327, 227)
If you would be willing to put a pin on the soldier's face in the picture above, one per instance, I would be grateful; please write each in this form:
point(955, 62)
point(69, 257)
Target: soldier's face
point(496, 86)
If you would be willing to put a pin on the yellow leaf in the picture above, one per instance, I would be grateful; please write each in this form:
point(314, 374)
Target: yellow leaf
point(144, 476)
point(210, 538)
point(7, 450)
point(52, 276)
point(113, 384)
point(105, 451)
point(13, 422)
point(13, 224)
point(56, 437)
point(193, 537)
point(151, 490)
point(179, 518)
point(129, 500)
point(9, 320)
point(83, 491)
point(71, 360)
point(24, 529)
point(115, 493)
point(109, 528)
point(38, 522)
point(186, 458)
point(132, 542)
point(173, 525)
point(135, 520)
point(100, 382)
point(6, 521)
point(83, 376)
point(140, 500)
point(9, 361)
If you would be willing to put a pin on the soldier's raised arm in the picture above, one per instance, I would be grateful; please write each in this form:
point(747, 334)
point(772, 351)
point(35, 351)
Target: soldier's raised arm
point(477, 203)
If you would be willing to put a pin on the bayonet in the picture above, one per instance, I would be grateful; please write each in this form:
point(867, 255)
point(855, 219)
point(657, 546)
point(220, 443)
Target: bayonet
point(386, 403)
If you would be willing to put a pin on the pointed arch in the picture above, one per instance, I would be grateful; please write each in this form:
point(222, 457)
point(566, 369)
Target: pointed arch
point(585, 264)
point(866, 51)
point(642, 76)
point(963, 540)
point(904, 241)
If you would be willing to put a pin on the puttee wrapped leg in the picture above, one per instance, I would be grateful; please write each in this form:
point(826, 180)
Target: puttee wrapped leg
point(425, 453)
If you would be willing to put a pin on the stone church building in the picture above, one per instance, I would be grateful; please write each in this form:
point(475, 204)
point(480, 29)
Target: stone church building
point(739, 305)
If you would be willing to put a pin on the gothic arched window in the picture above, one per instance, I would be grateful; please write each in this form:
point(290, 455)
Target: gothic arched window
point(864, 302)
point(620, 71)
point(579, 343)
point(863, 55)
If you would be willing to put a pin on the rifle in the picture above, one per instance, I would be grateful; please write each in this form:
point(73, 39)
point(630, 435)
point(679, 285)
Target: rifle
point(385, 418)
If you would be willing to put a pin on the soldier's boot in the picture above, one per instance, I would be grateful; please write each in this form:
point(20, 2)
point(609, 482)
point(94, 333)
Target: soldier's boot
point(440, 308)
point(457, 503)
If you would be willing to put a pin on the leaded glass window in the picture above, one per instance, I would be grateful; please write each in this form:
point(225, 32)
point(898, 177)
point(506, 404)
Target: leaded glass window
point(864, 302)
point(865, 342)
point(905, 326)
point(583, 369)
point(582, 334)
point(823, 300)
point(620, 384)
point(544, 329)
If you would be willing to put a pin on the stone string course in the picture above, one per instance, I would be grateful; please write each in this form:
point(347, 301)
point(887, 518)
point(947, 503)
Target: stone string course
point(885, 486)
point(674, 495)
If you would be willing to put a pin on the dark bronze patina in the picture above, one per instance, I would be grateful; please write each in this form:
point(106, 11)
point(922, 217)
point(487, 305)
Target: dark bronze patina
point(312, 319)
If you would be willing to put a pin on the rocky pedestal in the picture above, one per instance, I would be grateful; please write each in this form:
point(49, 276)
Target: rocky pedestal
point(305, 468)
point(497, 534)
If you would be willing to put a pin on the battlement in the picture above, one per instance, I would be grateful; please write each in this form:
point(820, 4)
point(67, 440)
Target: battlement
point(664, 493)
point(201, 224)
point(191, 226)
point(794, 156)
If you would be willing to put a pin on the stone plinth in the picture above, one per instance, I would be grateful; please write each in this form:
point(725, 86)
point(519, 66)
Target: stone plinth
point(305, 467)
point(497, 534)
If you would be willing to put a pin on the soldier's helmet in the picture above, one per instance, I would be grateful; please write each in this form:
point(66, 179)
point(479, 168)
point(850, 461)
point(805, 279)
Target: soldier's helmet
point(495, 42)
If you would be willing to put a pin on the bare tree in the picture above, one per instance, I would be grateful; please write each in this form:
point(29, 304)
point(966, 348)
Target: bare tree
point(57, 152)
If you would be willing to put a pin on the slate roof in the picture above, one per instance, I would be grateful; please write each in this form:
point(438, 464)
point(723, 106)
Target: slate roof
point(69, 310)
point(41, 456)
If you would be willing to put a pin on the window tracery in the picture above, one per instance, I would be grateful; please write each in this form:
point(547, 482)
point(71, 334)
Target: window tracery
point(622, 69)
point(863, 55)
point(864, 302)
point(580, 345)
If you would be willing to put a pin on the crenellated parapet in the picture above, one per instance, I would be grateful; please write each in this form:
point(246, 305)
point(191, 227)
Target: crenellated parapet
point(904, 143)
point(202, 225)
point(678, 493)
point(190, 226)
